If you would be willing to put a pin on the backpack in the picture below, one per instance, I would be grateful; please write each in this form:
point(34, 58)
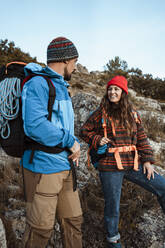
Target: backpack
point(12, 136)
point(94, 157)
point(92, 154)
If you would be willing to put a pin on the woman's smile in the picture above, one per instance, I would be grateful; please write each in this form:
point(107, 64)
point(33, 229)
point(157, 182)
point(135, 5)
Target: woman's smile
point(114, 93)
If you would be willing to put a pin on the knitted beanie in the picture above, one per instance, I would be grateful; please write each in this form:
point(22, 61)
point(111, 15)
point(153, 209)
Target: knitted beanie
point(61, 49)
point(119, 81)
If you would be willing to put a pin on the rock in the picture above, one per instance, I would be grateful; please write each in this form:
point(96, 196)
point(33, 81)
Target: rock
point(96, 73)
point(83, 105)
point(2, 236)
point(82, 69)
point(151, 114)
point(149, 103)
point(5, 159)
point(157, 147)
point(152, 226)
point(146, 102)
point(162, 105)
point(132, 92)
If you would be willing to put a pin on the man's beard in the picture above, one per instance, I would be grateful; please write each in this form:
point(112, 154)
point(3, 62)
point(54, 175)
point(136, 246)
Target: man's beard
point(67, 76)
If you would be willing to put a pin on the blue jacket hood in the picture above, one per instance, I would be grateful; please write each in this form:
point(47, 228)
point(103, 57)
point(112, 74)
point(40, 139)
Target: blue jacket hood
point(46, 71)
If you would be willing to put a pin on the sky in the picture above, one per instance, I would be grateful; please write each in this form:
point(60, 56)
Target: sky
point(134, 30)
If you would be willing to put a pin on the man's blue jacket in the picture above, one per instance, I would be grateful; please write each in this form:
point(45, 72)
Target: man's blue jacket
point(60, 131)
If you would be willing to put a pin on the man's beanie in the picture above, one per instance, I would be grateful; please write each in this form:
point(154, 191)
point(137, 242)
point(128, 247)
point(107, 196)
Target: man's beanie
point(61, 49)
point(119, 81)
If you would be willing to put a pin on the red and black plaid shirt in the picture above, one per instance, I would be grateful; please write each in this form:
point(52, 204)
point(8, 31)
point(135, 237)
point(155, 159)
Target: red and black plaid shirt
point(92, 132)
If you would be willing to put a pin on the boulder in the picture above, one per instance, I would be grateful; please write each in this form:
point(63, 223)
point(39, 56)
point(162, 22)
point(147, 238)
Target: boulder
point(2, 236)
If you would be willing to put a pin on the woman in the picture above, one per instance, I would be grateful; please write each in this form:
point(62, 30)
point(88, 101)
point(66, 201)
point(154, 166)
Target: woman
point(115, 129)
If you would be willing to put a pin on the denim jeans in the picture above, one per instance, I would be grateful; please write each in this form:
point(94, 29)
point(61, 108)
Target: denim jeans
point(111, 184)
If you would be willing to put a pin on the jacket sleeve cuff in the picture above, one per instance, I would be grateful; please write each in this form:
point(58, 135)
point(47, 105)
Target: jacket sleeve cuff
point(71, 142)
point(151, 160)
point(96, 141)
point(68, 139)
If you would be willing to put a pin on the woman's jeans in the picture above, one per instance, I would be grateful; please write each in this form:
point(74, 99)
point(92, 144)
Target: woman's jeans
point(111, 184)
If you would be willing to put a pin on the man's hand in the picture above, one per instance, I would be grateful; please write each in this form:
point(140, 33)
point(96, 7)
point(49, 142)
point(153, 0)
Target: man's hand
point(75, 149)
point(149, 169)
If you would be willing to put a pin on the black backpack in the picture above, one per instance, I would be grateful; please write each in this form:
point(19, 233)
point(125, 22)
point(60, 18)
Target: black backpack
point(12, 136)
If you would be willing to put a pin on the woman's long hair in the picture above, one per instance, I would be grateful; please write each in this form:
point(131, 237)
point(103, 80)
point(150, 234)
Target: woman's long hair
point(121, 113)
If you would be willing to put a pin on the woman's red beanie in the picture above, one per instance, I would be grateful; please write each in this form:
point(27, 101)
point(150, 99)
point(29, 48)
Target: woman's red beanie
point(119, 81)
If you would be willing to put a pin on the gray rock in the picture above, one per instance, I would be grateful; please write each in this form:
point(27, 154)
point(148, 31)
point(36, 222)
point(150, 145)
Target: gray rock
point(152, 225)
point(2, 236)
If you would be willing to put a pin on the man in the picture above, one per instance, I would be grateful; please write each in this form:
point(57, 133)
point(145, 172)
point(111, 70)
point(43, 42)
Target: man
point(48, 177)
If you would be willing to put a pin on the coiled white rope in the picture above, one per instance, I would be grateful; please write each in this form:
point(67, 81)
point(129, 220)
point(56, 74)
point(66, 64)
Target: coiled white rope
point(10, 92)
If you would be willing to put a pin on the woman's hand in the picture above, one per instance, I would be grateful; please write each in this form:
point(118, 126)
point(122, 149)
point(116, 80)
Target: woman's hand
point(149, 169)
point(104, 141)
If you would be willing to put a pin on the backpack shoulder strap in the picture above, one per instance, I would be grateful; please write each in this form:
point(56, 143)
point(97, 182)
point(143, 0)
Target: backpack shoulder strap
point(52, 92)
point(104, 118)
point(136, 117)
point(52, 96)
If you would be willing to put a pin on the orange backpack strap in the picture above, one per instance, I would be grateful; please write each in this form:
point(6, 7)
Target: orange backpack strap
point(135, 115)
point(118, 159)
point(14, 62)
point(113, 126)
point(117, 150)
point(104, 125)
point(104, 117)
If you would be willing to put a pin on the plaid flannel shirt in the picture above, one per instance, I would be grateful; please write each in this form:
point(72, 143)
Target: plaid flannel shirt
point(92, 132)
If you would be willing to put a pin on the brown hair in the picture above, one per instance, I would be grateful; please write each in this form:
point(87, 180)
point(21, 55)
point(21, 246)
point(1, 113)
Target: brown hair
point(121, 113)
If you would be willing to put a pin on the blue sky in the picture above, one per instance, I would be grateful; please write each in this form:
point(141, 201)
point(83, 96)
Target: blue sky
point(134, 30)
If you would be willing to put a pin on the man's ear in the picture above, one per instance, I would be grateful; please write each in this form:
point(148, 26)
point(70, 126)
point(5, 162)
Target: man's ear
point(66, 62)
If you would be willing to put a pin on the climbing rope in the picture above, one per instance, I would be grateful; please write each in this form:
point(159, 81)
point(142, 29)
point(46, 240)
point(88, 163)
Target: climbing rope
point(10, 92)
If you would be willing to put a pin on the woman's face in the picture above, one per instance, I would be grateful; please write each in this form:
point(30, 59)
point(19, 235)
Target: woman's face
point(114, 93)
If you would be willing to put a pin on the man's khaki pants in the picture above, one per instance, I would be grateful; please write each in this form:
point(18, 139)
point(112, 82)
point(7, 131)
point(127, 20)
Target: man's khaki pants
point(53, 197)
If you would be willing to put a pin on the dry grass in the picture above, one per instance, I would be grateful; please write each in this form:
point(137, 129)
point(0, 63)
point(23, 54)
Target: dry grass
point(154, 128)
point(10, 187)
